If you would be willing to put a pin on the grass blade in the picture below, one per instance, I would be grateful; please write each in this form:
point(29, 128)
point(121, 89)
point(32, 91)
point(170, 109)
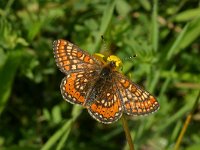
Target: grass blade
point(65, 128)
point(107, 15)
point(175, 47)
point(64, 131)
point(155, 26)
point(187, 121)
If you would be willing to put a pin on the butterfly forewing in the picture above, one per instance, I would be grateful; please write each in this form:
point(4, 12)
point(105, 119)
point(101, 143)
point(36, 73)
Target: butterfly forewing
point(81, 70)
point(70, 58)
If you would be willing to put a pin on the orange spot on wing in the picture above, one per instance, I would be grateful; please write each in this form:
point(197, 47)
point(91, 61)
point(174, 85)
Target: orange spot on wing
point(152, 100)
point(146, 104)
point(127, 106)
point(61, 54)
point(61, 47)
point(64, 58)
point(87, 58)
point(70, 89)
point(81, 99)
point(106, 112)
point(60, 51)
point(133, 89)
point(65, 62)
point(79, 54)
point(137, 104)
point(142, 105)
point(126, 84)
point(132, 105)
point(67, 68)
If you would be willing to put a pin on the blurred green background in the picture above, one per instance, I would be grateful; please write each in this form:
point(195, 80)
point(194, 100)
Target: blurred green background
point(163, 34)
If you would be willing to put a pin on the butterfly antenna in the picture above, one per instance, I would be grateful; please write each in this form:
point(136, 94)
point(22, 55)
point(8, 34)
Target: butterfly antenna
point(130, 57)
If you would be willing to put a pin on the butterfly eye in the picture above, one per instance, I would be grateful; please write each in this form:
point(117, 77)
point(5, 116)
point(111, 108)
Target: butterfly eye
point(113, 64)
point(115, 59)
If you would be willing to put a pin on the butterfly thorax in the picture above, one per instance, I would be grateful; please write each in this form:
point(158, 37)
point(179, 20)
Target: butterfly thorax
point(103, 80)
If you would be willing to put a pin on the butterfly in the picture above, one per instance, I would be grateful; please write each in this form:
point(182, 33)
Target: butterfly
point(98, 85)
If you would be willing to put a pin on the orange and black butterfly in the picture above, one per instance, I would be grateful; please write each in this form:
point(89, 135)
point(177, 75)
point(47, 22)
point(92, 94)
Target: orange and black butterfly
point(98, 86)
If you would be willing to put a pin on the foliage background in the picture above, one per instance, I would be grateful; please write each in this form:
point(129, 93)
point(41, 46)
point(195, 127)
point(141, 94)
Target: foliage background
point(163, 34)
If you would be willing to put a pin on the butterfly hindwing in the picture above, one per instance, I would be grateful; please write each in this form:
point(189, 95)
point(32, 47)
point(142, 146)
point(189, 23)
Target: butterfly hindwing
point(136, 101)
point(75, 86)
point(107, 106)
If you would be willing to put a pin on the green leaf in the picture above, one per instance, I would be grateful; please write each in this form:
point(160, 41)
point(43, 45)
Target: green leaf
point(187, 15)
point(188, 35)
point(123, 8)
point(175, 48)
point(145, 4)
point(56, 114)
point(7, 74)
point(192, 33)
point(34, 30)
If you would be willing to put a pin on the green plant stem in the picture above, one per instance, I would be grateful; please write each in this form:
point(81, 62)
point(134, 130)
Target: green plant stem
point(127, 132)
point(187, 121)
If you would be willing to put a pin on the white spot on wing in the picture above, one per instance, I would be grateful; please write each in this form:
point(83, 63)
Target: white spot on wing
point(73, 66)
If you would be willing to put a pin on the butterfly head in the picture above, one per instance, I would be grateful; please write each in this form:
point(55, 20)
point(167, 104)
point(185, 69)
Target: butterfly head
point(113, 61)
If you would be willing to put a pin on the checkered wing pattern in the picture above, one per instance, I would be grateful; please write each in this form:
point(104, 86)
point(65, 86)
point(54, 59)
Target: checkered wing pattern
point(80, 67)
point(107, 106)
point(70, 58)
point(75, 86)
point(135, 100)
